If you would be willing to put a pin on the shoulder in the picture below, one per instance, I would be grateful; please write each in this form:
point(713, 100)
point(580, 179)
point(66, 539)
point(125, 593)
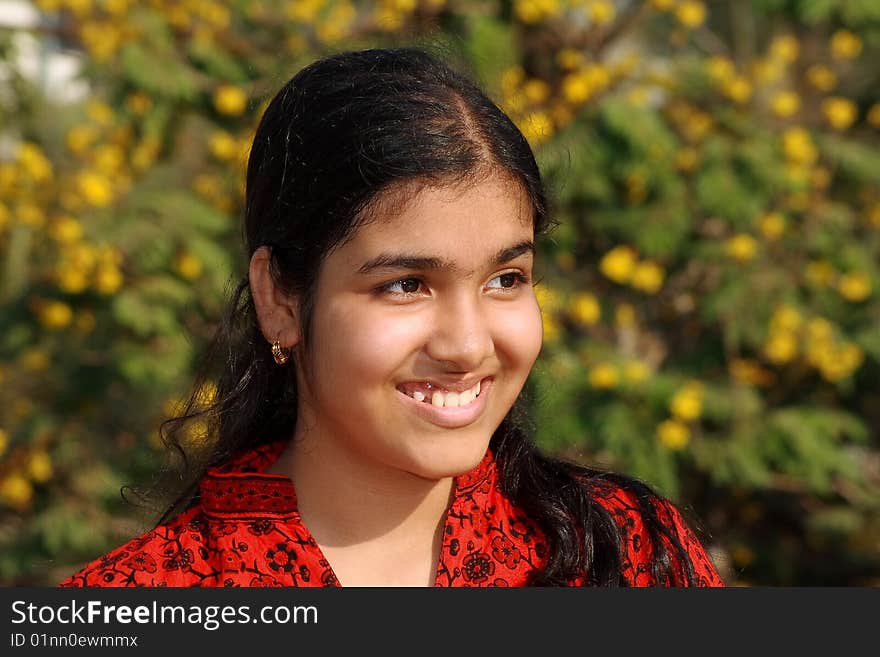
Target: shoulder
point(644, 519)
point(163, 556)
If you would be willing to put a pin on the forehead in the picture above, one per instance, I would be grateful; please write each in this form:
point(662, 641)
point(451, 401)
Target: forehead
point(462, 224)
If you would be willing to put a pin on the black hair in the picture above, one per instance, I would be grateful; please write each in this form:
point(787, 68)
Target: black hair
point(346, 133)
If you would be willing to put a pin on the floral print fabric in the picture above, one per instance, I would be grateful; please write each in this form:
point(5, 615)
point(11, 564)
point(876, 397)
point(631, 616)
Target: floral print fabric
point(246, 531)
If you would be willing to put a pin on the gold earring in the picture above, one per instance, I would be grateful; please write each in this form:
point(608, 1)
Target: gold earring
point(280, 354)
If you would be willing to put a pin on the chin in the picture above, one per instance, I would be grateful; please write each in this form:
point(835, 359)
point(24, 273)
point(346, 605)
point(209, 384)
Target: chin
point(449, 460)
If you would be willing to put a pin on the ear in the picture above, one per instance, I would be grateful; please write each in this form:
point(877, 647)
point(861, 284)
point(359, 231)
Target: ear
point(277, 311)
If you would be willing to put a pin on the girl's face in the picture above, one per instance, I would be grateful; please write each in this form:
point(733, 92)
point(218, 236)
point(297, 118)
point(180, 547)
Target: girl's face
point(434, 298)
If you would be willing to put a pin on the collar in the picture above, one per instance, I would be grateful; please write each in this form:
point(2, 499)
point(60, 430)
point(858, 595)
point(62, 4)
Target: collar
point(240, 488)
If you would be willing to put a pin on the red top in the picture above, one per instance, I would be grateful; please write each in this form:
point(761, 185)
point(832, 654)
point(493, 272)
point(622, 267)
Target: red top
point(246, 531)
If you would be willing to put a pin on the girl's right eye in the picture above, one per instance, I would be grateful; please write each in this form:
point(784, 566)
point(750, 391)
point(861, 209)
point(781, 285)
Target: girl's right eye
point(407, 286)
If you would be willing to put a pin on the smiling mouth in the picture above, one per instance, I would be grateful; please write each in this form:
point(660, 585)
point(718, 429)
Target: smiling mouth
point(426, 393)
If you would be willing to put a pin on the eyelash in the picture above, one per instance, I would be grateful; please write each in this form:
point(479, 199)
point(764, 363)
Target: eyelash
point(519, 278)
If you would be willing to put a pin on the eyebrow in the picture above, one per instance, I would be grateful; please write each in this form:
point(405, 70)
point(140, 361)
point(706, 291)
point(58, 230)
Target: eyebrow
point(407, 261)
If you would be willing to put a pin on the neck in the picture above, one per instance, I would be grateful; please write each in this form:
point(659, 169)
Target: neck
point(347, 501)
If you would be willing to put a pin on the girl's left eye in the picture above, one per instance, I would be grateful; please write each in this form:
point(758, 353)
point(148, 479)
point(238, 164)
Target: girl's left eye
point(509, 281)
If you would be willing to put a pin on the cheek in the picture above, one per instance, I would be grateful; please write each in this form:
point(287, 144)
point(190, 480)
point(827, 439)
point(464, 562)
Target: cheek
point(519, 335)
point(366, 346)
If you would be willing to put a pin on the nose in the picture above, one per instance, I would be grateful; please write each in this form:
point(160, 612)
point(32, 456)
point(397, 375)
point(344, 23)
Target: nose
point(462, 336)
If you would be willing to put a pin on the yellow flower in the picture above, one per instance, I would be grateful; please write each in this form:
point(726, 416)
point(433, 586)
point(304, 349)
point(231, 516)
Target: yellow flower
point(602, 12)
point(748, 371)
point(687, 403)
point(873, 215)
point(741, 247)
point(230, 100)
point(785, 103)
point(30, 215)
point(673, 435)
point(635, 371)
point(109, 159)
point(55, 314)
point(108, 279)
point(767, 71)
point(820, 178)
point(34, 163)
point(4, 216)
point(511, 79)
point(850, 356)
point(821, 77)
point(35, 360)
point(207, 393)
point(625, 316)
point(550, 326)
point(534, 11)
point(65, 230)
point(570, 59)
point(720, 68)
point(785, 48)
point(603, 376)
point(196, 432)
point(16, 491)
point(819, 272)
point(697, 125)
point(188, 266)
point(144, 154)
point(855, 286)
point(838, 362)
point(548, 299)
point(690, 13)
point(772, 225)
point(786, 319)
point(95, 188)
point(686, 159)
point(537, 127)
point(819, 329)
point(303, 11)
point(738, 89)
point(845, 45)
point(536, 90)
point(99, 112)
point(647, 277)
point(70, 279)
point(585, 308)
point(781, 347)
point(839, 112)
point(873, 115)
point(619, 264)
point(798, 146)
point(576, 87)
point(223, 145)
point(116, 7)
point(39, 467)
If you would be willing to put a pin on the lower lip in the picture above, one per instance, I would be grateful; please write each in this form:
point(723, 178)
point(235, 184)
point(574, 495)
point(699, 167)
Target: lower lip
point(454, 416)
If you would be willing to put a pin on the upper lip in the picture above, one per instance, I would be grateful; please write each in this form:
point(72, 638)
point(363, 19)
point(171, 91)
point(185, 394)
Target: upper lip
point(458, 385)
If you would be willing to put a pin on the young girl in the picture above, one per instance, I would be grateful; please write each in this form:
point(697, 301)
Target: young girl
point(369, 422)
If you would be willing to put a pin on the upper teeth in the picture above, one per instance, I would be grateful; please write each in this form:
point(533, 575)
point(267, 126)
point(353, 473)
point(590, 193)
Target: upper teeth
point(447, 399)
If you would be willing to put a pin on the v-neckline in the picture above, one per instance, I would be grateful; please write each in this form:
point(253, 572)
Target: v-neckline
point(278, 496)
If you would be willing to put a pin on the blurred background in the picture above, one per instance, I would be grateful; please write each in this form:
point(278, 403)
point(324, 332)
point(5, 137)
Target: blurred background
point(710, 297)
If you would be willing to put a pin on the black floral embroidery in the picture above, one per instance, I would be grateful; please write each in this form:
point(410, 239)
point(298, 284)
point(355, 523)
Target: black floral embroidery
point(478, 567)
point(281, 558)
